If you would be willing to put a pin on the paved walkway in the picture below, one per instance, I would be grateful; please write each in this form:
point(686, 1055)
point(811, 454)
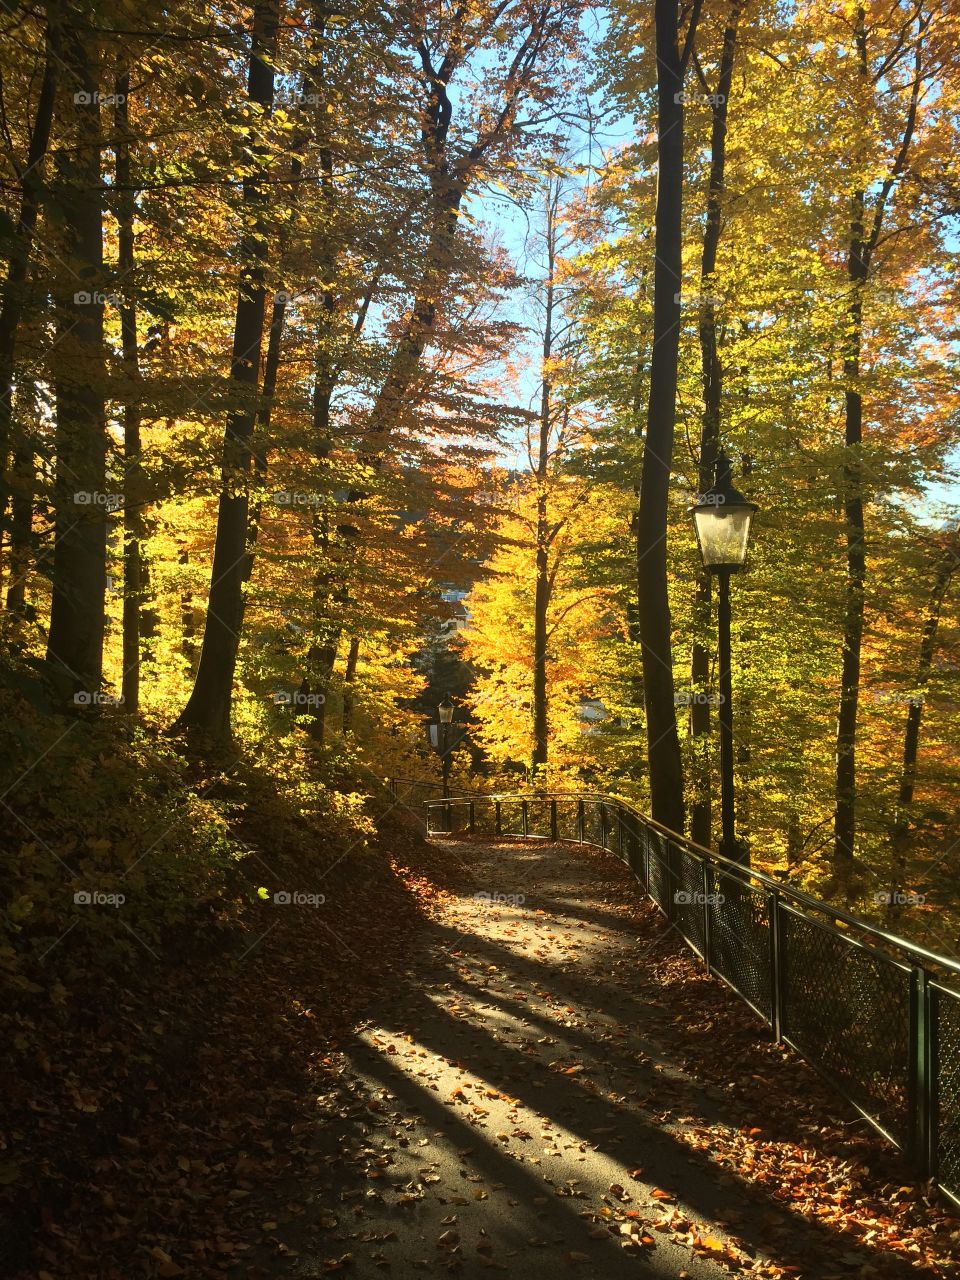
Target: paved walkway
point(523, 1102)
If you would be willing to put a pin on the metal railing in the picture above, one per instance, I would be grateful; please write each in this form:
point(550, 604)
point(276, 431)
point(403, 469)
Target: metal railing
point(411, 793)
point(876, 1015)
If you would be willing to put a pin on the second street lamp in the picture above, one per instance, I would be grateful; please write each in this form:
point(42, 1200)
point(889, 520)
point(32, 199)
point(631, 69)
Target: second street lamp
point(445, 715)
point(722, 518)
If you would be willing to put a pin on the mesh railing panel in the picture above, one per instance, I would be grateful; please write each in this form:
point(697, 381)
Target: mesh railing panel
point(621, 846)
point(740, 938)
point(948, 1090)
point(484, 810)
point(567, 820)
point(511, 817)
point(847, 1009)
point(688, 899)
point(447, 819)
point(633, 848)
point(592, 832)
point(611, 834)
point(538, 817)
point(660, 879)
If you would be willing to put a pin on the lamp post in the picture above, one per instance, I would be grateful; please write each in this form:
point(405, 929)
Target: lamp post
point(722, 518)
point(445, 715)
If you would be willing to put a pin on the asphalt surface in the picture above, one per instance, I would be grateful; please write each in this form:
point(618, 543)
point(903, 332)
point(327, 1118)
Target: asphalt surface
point(512, 1105)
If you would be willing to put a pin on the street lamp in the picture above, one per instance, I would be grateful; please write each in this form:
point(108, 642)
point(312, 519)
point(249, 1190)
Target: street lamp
point(722, 518)
point(445, 714)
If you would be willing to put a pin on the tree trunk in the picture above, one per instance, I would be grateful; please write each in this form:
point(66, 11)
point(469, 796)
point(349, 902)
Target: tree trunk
point(712, 377)
point(862, 243)
point(911, 738)
point(543, 591)
point(133, 527)
point(23, 482)
point(11, 309)
point(208, 708)
point(846, 776)
point(75, 638)
point(271, 369)
point(663, 742)
point(349, 679)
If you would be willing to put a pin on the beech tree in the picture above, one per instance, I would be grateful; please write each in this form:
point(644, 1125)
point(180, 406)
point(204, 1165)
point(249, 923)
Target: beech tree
point(673, 50)
point(78, 358)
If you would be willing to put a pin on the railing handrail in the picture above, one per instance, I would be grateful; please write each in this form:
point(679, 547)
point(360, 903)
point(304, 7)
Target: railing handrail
point(783, 888)
point(429, 782)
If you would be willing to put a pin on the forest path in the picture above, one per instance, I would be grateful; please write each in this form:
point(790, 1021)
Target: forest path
point(529, 1100)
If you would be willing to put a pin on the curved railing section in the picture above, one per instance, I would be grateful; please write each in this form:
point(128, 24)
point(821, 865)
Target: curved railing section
point(876, 1015)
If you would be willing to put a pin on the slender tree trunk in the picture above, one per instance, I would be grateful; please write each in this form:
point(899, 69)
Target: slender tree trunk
point(208, 708)
point(23, 482)
point(271, 365)
point(75, 637)
point(911, 738)
point(663, 742)
point(712, 377)
point(134, 495)
point(271, 370)
point(544, 584)
point(862, 243)
point(328, 623)
point(13, 298)
point(846, 776)
point(188, 645)
point(349, 680)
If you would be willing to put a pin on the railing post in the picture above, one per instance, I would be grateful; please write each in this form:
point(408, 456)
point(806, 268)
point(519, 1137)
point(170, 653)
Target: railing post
point(554, 829)
point(922, 1088)
point(447, 820)
point(602, 810)
point(393, 787)
point(472, 817)
point(707, 918)
point(670, 869)
point(777, 972)
point(933, 1080)
point(524, 827)
point(580, 821)
point(497, 816)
